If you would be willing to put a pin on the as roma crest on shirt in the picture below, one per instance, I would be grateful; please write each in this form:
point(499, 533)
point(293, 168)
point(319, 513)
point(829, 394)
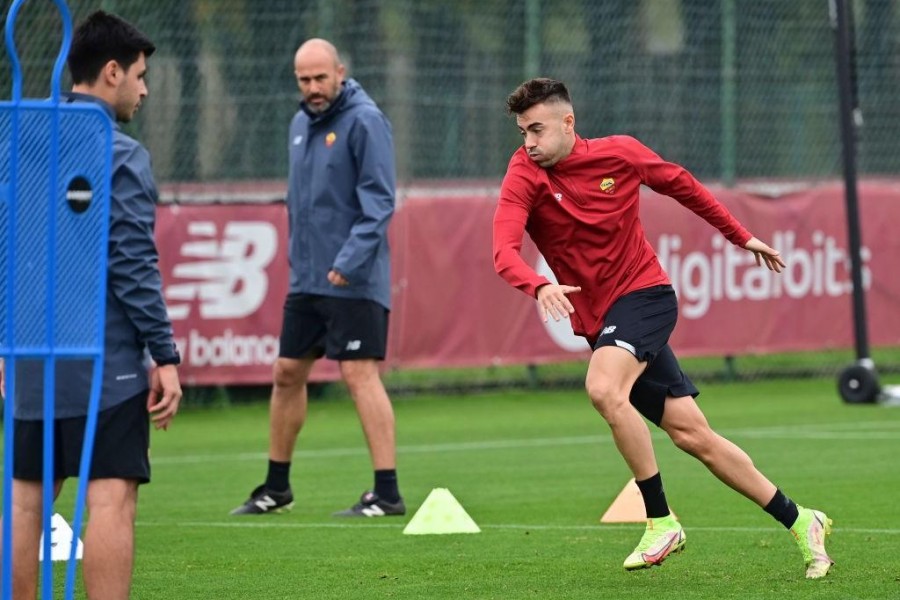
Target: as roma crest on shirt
point(608, 185)
point(330, 138)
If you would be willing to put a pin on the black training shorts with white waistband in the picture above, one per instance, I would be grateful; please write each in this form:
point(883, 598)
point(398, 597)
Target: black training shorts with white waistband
point(641, 323)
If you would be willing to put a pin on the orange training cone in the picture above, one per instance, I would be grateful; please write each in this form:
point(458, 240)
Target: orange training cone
point(628, 507)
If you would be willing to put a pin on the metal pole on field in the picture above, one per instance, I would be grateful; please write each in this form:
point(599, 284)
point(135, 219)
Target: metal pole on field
point(844, 45)
point(858, 383)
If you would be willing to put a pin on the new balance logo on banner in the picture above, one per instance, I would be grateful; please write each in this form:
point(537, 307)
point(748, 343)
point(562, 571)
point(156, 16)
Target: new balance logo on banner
point(226, 275)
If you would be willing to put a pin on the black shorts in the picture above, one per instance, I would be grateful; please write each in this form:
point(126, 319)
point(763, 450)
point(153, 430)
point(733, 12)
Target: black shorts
point(121, 444)
point(641, 322)
point(338, 328)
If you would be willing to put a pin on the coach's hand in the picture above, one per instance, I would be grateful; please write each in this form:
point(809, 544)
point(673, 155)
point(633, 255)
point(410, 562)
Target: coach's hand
point(335, 278)
point(165, 395)
point(552, 300)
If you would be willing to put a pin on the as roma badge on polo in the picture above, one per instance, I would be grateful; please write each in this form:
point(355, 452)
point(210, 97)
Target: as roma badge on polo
point(329, 139)
point(608, 185)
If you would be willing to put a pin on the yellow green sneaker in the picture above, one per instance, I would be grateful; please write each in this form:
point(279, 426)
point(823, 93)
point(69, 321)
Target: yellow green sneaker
point(810, 530)
point(663, 536)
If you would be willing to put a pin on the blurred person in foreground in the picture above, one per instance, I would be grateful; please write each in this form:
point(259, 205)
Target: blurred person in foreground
point(341, 192)
point(578, 200)
point(108, 64)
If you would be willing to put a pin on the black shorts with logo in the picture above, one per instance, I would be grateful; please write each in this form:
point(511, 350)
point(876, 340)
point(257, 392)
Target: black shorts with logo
point(121, 444)
point(641, 322)
point(338, 328)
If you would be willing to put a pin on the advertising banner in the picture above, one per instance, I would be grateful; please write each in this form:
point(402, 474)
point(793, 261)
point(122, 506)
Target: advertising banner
point(225, 273)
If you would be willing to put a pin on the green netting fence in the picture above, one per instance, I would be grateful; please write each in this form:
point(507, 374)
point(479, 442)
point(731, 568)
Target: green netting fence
point(730, 88)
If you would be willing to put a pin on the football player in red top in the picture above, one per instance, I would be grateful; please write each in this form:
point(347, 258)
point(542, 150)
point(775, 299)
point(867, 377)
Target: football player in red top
point(578, 200)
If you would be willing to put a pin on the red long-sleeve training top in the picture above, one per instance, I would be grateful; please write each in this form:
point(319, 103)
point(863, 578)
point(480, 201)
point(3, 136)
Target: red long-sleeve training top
point(582, 214)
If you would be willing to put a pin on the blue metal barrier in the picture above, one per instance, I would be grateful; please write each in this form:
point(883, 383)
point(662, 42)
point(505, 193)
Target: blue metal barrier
point(55, 177)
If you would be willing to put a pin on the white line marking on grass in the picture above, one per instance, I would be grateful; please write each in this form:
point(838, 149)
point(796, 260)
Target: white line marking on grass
point(872, 430)
point(280, 524)
point(816, 435)
point(418, 449)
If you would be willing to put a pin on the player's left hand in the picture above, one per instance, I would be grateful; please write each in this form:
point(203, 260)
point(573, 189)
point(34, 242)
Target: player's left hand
point(335, 278)
point(764, 253)
point(164, 396)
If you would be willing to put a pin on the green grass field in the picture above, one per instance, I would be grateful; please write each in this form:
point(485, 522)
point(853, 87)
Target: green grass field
point(535, 470)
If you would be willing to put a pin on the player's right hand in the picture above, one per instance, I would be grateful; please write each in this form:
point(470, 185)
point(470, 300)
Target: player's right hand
point(165, 395)
point(552, 300)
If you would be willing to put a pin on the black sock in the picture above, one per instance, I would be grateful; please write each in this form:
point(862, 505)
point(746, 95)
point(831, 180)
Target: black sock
point(654, 497)
point(783, 509)
point(279, 476)
point(386, 485)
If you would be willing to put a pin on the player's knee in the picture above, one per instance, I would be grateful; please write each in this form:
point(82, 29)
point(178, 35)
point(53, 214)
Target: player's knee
point(113, 512)
point(683, 440)
point(693, 440)
point(27, 511)
point(113, 497)
point(606, 398)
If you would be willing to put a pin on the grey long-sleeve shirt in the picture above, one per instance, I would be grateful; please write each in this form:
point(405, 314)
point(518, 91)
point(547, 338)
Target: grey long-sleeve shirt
point(136, 318)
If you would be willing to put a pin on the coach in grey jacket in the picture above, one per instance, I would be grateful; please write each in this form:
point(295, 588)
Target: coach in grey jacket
point(341, 190)
point(341, 197)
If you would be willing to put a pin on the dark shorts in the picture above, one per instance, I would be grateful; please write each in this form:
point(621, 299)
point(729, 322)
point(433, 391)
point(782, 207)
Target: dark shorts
point(121, 444)
point(338, 328)
point(641, 322)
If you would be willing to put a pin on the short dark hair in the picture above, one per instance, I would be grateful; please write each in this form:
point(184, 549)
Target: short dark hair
point(536, 91)
point(103, 37)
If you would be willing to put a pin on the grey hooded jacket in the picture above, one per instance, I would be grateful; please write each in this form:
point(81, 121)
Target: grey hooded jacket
point(341, 193)
point(136, 316)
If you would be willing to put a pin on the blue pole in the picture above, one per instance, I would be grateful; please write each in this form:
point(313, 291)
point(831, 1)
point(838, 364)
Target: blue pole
point(8, 413)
